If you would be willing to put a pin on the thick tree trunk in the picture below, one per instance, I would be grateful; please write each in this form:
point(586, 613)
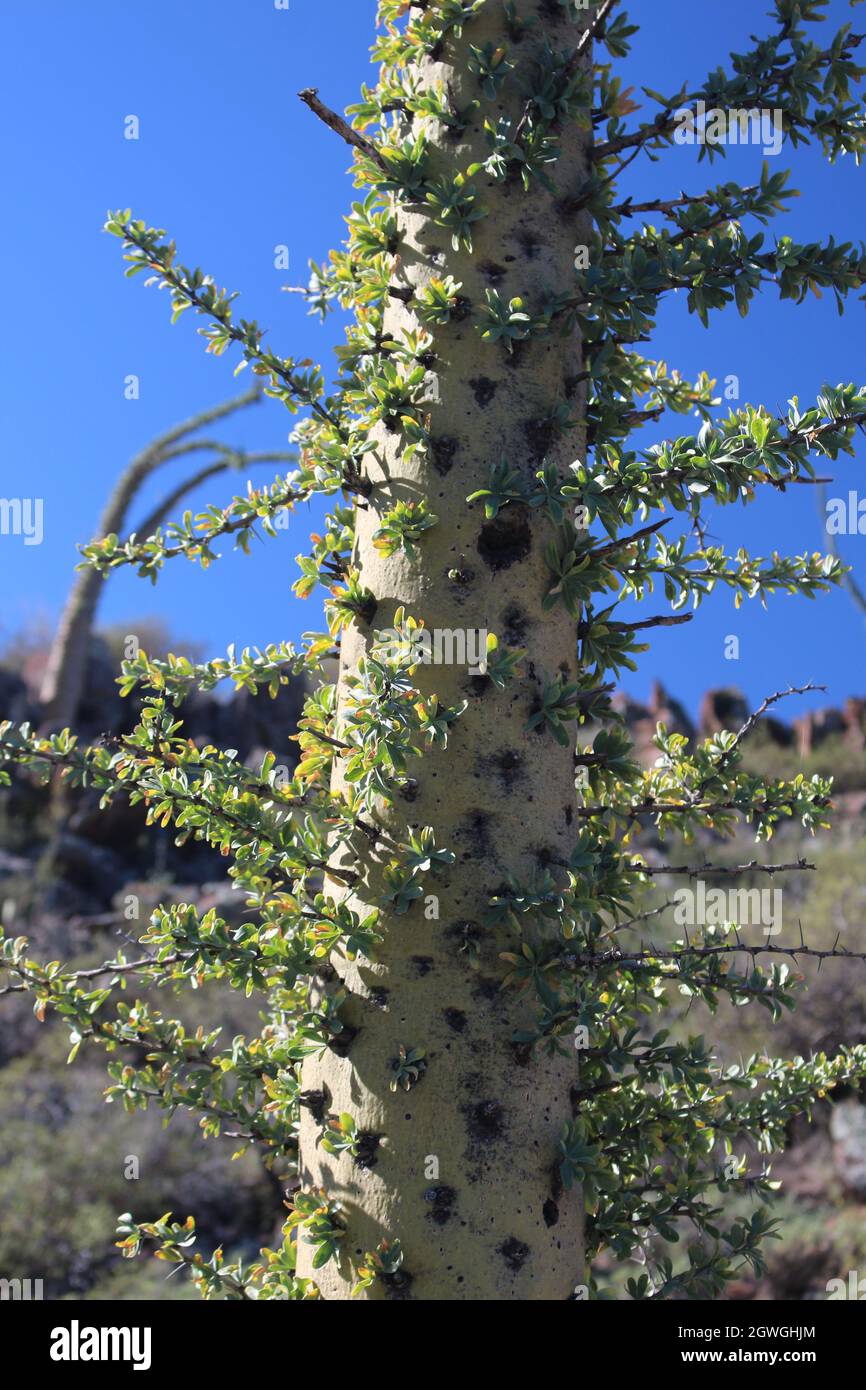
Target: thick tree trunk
point(466, 1172)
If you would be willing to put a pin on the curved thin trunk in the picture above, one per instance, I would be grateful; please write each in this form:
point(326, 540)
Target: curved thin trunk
point(66, 668)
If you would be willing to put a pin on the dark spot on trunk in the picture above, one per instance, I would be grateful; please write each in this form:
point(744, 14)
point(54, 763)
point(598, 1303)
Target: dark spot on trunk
point(522, 1053)
point(492, 272)
point(442, 450)
point(442, 1200)
point(505, 767)
point(484, 1122)
point(518, 348)
point(509, 767)
point(569, 815)
point(465, 936)
point(507, 539)
point(456, 1019)
point(461, 576)
point(550, 1212)
point(461, 308)
point(343, 1041)
point(379, 997)
point(539, 729)
point(409, 790)
point(367, 1145)
point(540, 435)
point(529, 244)
point(514, 1252)
point(423, 964)
point(397, 1285)
point(317, 1104)
point(478, 686)
point(483, 389)
point(486, 988)
point(472, 835)
point(514, 624)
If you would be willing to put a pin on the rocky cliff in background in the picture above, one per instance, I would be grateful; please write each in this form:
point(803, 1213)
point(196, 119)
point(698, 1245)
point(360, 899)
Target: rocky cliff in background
point(727, 708)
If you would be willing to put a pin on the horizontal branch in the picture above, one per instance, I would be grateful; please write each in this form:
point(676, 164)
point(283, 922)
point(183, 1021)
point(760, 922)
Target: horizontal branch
point(665, 121)
point(227, 458)
point(109, 967)
point(668, 206)
point(663, 620)
point(697, 871)
point(643, 957)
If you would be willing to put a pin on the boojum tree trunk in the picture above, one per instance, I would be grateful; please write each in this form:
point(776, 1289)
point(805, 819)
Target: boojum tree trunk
point(64, 679)
point(465, 1173)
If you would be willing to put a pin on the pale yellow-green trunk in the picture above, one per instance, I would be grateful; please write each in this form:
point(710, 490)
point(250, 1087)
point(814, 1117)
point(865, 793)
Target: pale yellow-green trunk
point(466, 1171)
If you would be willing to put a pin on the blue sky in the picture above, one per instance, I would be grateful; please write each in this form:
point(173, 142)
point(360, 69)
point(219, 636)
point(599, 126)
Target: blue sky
point(232, 164)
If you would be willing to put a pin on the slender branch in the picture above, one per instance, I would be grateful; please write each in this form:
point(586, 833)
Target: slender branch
point(650, 807)
point(628, 540)
point(811, 438)
point(232, 458)
point(630, 923)
point(664, 121)
point(669, 205)
point(663, 620)
point(109, 967)
point(310, 97)
point(626, 958)
point(195, 800)
point(697, 871)
point(161, 263)
point(759, 713)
